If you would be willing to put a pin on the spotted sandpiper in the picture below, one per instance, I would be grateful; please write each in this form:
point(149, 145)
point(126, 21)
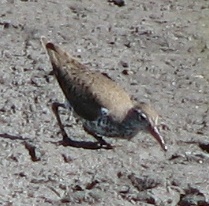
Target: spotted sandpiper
point(105, 108)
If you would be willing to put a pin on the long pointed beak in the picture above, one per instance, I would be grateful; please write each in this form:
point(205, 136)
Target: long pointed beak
point(156, 134)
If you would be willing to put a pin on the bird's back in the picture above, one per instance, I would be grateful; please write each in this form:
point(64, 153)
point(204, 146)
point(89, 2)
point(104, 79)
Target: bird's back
point(87, 91)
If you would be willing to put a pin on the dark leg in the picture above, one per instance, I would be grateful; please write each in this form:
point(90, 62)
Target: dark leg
point(55, 109)
point(101, 141)
point(79, 144)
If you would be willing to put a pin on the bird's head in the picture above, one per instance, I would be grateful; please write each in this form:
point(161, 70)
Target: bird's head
point(148, 117)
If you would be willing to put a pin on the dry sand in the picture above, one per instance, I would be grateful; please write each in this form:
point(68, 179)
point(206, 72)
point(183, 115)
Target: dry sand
point(165, 48)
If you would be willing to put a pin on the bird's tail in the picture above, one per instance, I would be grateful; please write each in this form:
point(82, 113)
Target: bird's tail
point(59, 57)
point(56, 54)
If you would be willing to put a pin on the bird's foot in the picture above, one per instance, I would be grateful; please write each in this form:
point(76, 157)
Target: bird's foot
point(66, 141)
point(103, 144)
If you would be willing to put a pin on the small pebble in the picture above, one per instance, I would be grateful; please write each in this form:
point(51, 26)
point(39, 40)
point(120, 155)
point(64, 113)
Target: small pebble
point(127, 72)
point(118, 2)
point(124, 64)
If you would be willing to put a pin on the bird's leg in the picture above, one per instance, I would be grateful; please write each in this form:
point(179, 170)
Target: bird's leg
point(99, 138)
point(69, 142)
point(102, 142)
point(55, 109)
point(66, 140)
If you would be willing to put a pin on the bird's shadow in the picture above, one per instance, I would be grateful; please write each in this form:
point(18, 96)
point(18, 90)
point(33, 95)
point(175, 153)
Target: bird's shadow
point(66, 141)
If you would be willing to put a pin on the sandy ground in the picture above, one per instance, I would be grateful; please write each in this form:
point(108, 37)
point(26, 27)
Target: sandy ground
point(163, 45)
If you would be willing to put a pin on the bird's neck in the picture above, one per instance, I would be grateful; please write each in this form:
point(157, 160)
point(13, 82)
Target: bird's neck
point(131, 125)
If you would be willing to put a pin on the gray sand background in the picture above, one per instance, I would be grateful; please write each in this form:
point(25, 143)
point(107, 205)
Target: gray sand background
point(163, 45)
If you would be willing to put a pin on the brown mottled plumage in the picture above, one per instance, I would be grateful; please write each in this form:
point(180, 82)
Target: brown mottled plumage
point(103, 106)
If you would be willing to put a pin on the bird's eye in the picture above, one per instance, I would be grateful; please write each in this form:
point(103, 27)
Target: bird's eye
point(143, 116)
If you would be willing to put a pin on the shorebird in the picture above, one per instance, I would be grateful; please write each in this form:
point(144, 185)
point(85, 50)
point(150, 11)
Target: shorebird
point(105, 108)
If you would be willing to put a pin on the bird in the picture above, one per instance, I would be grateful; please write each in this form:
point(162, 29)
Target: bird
point(103, 106)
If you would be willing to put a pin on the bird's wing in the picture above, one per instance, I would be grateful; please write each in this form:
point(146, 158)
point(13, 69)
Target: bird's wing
point(87, 91)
